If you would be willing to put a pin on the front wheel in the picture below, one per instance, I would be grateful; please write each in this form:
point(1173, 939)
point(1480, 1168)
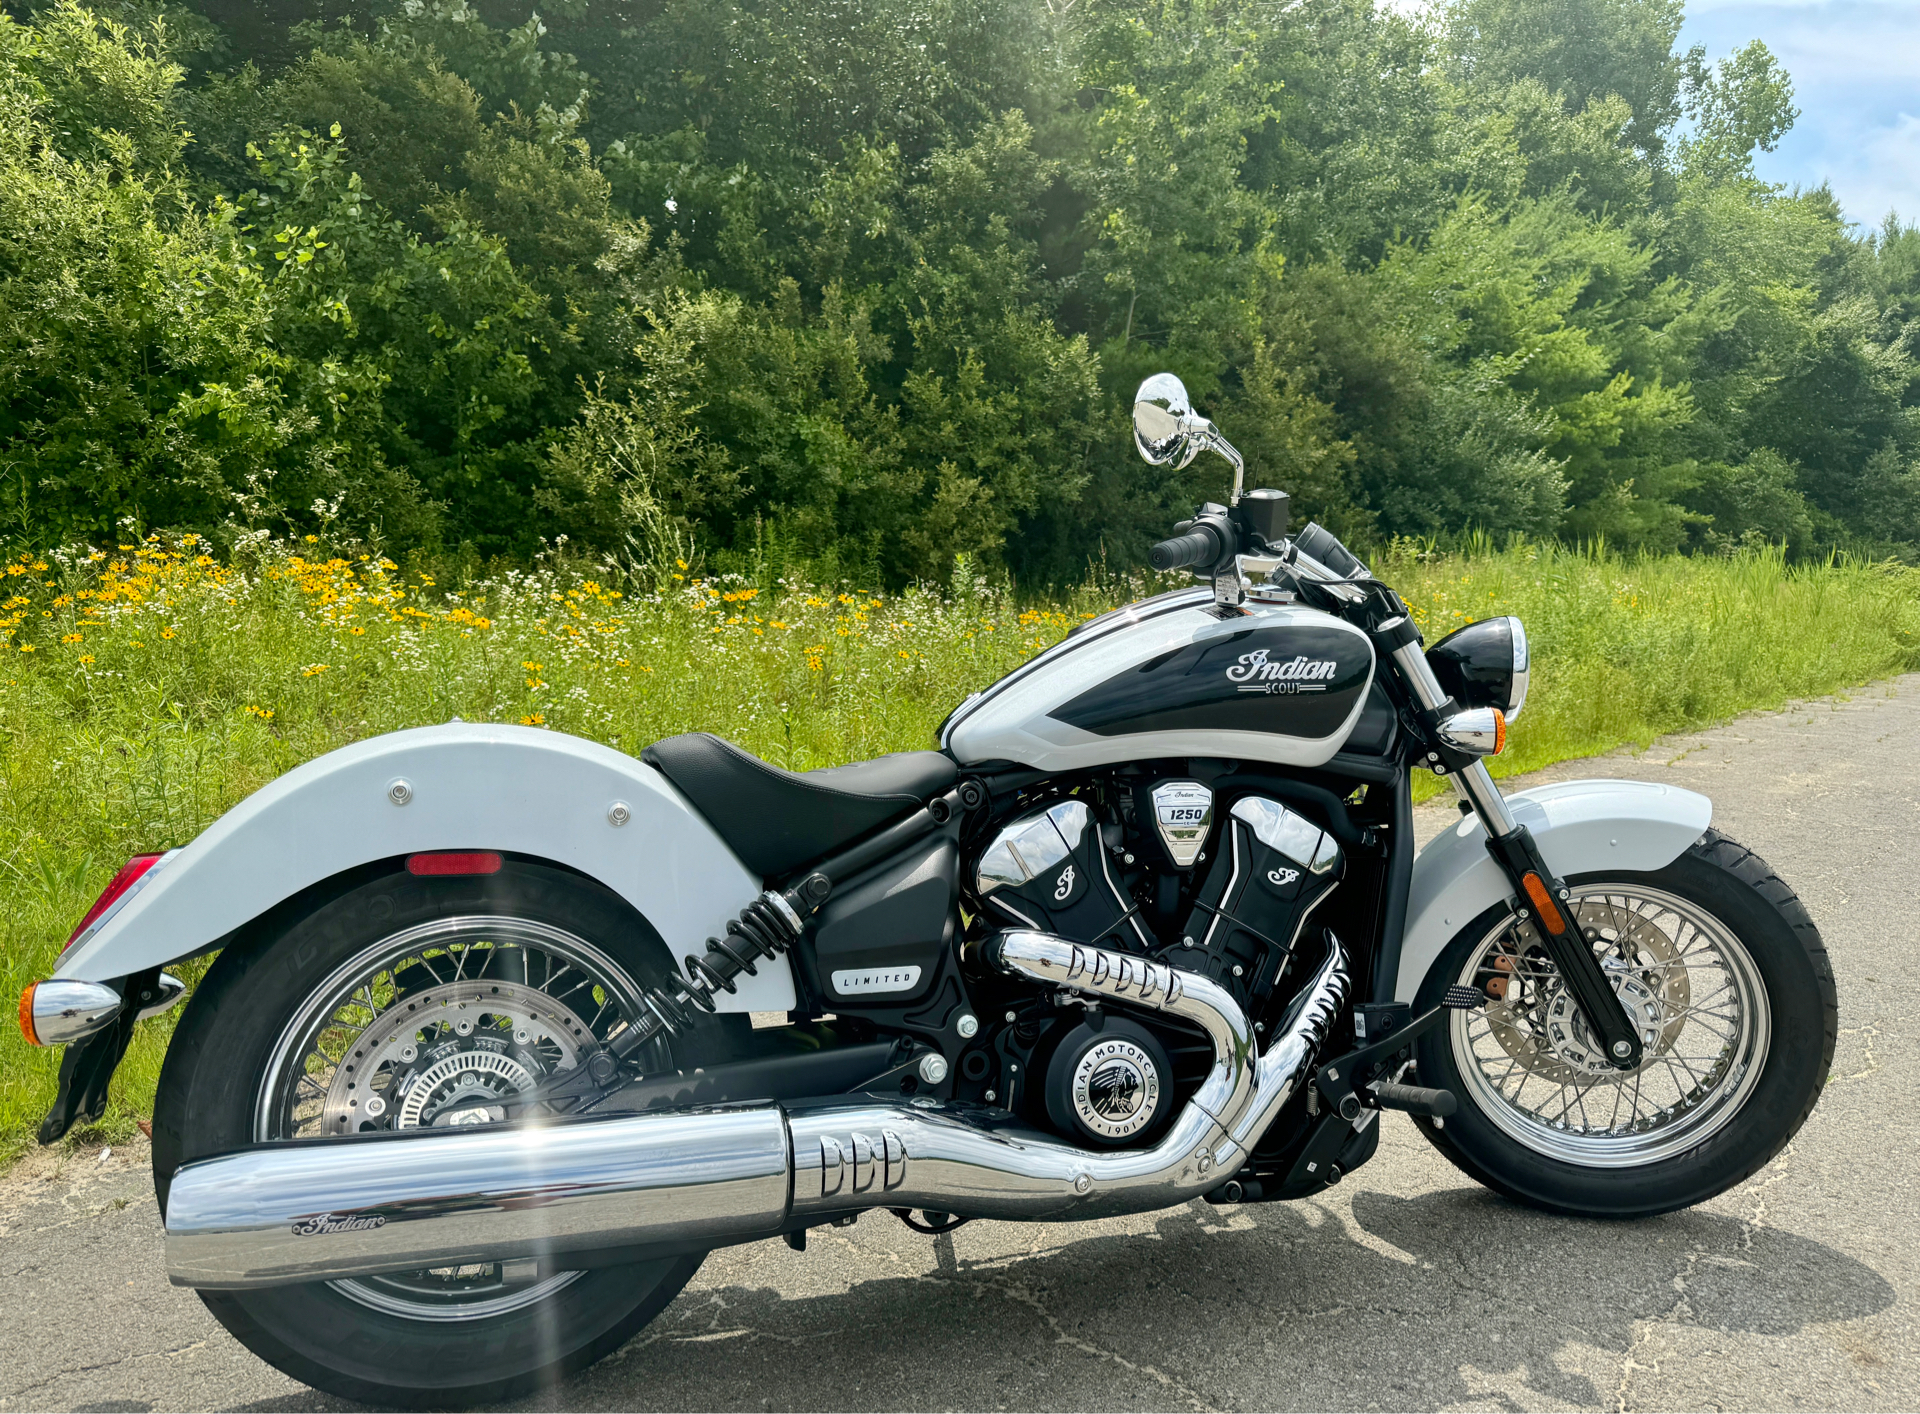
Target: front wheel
point(1728, 980)
point(418, 1003)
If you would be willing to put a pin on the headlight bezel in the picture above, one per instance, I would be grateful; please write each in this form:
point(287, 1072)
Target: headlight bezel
point(1485, 664)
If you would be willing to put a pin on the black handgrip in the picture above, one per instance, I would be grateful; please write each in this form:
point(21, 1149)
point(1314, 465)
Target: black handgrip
point(1414, 1099)
point(1196, 547)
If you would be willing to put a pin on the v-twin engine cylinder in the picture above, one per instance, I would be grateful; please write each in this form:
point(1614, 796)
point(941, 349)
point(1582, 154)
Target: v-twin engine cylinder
point(685, 1180)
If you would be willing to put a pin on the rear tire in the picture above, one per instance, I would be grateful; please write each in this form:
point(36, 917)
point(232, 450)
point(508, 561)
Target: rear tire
point(1736, 1102)
point(458, 1336)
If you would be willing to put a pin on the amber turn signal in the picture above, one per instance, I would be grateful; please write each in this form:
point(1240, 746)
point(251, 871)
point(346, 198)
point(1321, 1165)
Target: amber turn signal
point(1478, 731)
point(26, 1015)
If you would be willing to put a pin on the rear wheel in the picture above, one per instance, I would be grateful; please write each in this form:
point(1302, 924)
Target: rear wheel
point(406, 1003)
point(1733, 993)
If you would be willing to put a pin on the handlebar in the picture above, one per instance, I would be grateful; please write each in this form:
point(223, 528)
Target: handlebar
point(1200, 546)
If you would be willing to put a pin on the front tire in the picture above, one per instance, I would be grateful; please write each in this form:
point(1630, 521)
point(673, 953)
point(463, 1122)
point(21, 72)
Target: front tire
point(1733, 990)
point(406, 1002)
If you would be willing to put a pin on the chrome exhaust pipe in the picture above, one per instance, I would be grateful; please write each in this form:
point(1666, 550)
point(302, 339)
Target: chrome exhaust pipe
point(330, 1209)
point(317, 1210)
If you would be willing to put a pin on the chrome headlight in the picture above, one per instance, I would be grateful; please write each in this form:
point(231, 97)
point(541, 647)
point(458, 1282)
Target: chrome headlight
point(1484, 664)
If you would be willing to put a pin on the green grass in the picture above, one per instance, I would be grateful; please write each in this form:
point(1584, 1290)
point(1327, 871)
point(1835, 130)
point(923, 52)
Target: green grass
point(145, 691)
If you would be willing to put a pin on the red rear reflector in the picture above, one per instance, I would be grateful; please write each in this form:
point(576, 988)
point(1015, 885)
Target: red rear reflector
point(26, 1015)
point(470, 862)
point(129, 875)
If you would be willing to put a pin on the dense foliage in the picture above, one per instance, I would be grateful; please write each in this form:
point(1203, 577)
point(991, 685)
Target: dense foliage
point(858, 285)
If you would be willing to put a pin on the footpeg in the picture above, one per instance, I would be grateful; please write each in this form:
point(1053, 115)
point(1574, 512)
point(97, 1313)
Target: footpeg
point(1413, 1099)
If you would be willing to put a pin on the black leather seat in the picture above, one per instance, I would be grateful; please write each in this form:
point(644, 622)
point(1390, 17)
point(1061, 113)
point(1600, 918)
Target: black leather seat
point(778, 821)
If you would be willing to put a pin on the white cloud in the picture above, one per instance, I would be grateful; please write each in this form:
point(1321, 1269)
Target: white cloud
point(1880, 174)
point(1855, 66)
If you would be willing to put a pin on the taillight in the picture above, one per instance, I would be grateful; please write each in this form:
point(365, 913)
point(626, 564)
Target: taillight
point(454, 862)
point(131, 873)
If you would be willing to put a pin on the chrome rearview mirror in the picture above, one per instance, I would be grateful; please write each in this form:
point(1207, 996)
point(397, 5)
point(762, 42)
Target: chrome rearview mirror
point(1168, 432)
point(1162, 422)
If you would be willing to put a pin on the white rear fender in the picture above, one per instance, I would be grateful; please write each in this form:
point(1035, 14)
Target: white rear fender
point(516, 790)
point(1582, 827)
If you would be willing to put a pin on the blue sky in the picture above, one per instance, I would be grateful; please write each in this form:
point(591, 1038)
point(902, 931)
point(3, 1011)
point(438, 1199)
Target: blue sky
point(1856, 78)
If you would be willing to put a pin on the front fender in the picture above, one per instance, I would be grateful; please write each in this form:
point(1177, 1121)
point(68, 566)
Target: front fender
point(1581, 827)
point(517, 790)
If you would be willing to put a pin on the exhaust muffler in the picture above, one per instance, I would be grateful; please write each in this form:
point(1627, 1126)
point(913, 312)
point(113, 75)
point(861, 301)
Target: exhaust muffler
point(686, 1180)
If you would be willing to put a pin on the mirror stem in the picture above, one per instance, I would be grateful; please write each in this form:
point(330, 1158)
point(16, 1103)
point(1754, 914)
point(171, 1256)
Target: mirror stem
point(1226, 449)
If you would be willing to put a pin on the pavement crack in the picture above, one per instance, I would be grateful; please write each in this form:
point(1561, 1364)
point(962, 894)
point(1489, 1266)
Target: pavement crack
point(1681, 1312)
point(1757, 1219)
point(1020, 1293)
point(1868, 1034)
point(99, 1365)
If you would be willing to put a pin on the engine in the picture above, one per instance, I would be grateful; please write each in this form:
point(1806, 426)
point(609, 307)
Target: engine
point(1157, 878)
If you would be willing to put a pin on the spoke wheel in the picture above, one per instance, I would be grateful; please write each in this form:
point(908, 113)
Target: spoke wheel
point(1533, 1067)
point(438, 1025)
point(1731, 991)
point(405, 1002)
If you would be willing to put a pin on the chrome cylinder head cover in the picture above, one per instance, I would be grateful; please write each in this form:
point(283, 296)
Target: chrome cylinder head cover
point(1049, 870)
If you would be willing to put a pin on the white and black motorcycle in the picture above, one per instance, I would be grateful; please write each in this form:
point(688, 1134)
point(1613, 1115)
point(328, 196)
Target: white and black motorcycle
point(508, 1029)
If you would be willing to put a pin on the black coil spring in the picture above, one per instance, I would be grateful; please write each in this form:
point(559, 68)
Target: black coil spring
point(761, 931)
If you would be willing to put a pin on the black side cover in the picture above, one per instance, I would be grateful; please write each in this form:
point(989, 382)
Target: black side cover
point(779, 821)
point(880, 940)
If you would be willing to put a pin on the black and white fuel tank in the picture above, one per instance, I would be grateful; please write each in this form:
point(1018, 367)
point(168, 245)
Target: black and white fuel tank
point(1176, 676)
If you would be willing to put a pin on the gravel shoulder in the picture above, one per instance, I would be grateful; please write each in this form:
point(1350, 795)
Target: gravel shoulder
point(1406, 1287)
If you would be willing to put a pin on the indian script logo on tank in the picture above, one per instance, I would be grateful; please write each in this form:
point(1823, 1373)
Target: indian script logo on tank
point(326, 1223)
point(1254, 672)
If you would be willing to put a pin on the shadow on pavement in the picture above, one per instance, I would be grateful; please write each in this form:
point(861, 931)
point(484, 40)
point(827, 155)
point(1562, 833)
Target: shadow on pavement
point(1280, 1305)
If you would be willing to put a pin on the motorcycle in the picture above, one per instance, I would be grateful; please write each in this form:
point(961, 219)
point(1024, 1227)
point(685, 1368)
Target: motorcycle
point(445, 1120)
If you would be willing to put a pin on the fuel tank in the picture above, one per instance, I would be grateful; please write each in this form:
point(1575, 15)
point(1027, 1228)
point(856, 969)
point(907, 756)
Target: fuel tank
point(1176, 675)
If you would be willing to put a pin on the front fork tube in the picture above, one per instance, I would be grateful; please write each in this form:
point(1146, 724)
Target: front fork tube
point(1542, 895)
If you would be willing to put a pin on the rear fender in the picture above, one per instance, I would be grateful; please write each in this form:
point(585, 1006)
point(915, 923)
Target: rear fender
point(1582, 827)
point(516, 790)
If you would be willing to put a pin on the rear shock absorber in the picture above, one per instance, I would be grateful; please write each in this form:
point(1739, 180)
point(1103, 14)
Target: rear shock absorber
point(763, 929)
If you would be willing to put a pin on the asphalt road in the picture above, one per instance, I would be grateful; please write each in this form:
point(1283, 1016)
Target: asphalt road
point(1406, 1287)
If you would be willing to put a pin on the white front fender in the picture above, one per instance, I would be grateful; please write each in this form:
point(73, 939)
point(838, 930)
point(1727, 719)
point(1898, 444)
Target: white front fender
point(517, 790)
point(1580, 826)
